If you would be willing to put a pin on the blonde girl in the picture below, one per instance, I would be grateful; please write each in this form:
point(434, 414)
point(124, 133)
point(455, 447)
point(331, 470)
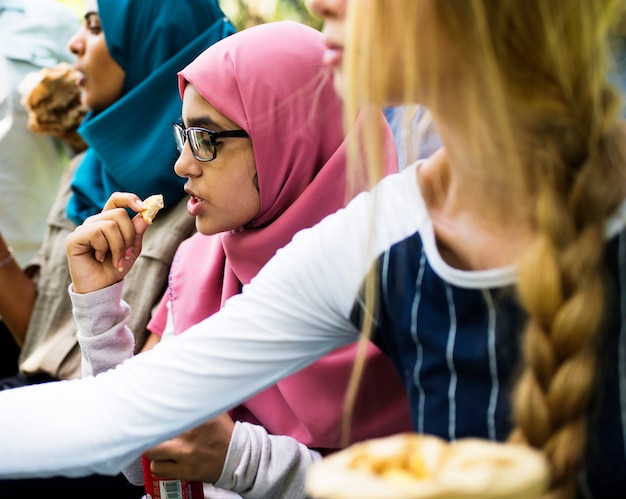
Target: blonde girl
point(531, 177)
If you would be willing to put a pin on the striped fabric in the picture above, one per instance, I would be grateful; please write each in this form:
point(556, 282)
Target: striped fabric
point(456, 346)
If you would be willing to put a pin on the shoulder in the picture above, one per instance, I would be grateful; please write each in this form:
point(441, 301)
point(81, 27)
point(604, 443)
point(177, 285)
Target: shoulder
point(342, 247)
point(393, 210)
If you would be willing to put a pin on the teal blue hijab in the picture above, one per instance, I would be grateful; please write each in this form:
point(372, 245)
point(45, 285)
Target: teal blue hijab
point(131, 147)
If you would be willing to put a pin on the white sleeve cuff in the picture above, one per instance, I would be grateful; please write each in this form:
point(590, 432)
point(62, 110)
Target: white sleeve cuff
point(259, 465)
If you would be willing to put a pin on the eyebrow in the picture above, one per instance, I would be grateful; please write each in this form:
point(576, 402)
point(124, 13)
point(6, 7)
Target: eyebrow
point(204, 122)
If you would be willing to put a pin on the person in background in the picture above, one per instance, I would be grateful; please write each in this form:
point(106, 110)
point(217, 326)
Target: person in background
point(492, 272)
point(128, 130)
point(249, 194)
point(33, 35)
point(128, 52)
point(414, 133)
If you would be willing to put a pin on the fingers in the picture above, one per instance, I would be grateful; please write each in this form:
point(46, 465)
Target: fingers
point(140, 224)
point(171, 460)
point(165, 451)
point(198, 454)
point(165, 469)
point(113, 235)
point(130, 201)
point(116, 209)
point(124, 200)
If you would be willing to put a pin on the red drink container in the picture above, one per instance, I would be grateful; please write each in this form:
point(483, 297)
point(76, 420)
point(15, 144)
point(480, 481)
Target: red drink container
point(168, 488)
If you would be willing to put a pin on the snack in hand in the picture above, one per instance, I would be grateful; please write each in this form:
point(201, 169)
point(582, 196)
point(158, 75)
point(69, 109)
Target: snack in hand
point(52, 99)
point(412, 466)
point(153, 204)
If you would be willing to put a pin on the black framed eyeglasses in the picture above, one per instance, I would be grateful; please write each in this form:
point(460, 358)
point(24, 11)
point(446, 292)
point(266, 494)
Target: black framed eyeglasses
point(202, 140)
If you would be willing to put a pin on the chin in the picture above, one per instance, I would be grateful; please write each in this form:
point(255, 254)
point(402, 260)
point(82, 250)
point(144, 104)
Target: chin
point(205, 228)
point(91, 105)
point(84, 99)
point(338, 83)
point(94, 102)
point(200, 228)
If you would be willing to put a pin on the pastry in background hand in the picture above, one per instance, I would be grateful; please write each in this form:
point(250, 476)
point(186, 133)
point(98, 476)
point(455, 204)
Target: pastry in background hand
point(412, 466)
point(52, 99)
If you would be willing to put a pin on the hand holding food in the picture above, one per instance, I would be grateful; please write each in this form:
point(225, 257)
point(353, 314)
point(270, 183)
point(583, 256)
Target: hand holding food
point(104, 248)
point(412, 466)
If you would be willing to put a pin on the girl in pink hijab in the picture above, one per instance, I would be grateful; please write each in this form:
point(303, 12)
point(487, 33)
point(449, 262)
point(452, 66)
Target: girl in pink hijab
point(277, 164)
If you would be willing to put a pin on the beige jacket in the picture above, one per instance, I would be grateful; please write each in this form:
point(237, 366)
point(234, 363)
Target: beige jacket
point(51, 344)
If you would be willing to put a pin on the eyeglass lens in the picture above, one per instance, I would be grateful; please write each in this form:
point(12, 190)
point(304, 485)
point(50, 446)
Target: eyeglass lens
point(200, 141)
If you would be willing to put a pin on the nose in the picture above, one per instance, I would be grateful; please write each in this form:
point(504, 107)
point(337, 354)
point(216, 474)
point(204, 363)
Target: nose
point(327, 9)
point(186, 165)
point(76, 44)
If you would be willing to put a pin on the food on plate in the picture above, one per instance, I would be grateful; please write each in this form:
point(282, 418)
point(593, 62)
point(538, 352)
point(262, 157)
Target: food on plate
point(152, 206)
point(413, 466)
point(52, 99)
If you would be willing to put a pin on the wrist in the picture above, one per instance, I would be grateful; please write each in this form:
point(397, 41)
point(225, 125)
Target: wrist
point(7, 258)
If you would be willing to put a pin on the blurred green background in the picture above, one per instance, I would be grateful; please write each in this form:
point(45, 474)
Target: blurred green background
point(246, 13)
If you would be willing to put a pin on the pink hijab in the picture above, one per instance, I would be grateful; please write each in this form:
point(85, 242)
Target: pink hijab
point(270, 80)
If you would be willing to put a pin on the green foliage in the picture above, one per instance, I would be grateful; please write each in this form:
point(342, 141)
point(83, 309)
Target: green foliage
point(242, 14)
point(77, 6)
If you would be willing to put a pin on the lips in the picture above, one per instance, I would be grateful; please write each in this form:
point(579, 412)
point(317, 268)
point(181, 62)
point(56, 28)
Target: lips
point(194, 205)
point(333, 55)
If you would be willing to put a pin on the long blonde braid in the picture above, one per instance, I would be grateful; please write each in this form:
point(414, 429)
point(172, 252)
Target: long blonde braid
point(578, 177)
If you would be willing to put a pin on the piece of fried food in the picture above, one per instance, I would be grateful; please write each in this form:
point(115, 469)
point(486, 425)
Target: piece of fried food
point(153, 204)
point(53, 102)
point(412, 466)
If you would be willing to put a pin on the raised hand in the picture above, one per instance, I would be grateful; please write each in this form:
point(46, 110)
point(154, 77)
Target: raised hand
point(197, 455)
point(104, 248)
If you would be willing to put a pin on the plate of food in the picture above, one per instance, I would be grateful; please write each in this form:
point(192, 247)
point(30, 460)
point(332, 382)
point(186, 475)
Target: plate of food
point(414, 466)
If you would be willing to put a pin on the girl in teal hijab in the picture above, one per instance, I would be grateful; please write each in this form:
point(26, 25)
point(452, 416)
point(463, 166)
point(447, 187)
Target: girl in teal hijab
point(130, 142)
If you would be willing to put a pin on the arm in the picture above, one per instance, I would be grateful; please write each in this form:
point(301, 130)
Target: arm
point(151, 341)
point(100, 253)
point(105, 311)
point(105, 342)
point(17, 299)
point(200, 453)
point(284, 320)
point(239, 457)
point(103, 423)
point(246, 459)
point(260, 465)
